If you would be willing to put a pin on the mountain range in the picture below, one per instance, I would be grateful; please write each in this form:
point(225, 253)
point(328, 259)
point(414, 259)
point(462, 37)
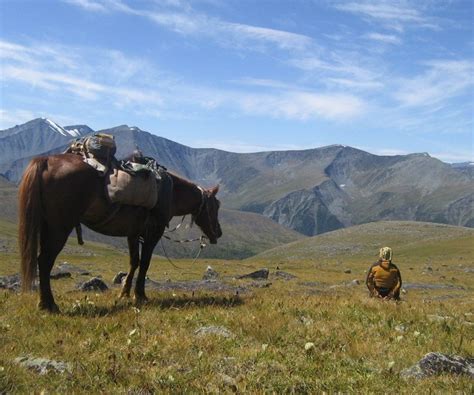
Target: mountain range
point(310, 191)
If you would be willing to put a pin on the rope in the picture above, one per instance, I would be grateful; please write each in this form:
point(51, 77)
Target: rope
point(202, 245)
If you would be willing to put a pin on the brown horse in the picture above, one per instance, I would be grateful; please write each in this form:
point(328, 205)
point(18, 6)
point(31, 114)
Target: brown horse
point(59, 192)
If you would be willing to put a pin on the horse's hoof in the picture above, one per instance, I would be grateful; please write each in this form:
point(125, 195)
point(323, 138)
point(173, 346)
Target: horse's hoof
point(49, 307)
point(141, 299)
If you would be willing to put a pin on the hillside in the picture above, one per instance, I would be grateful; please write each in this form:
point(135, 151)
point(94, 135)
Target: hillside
point(408, 240)
point(315, 332)
point(311, 191)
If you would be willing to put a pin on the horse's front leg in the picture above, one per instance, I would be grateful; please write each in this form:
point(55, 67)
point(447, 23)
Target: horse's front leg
point(134, 253)
point(145, 258)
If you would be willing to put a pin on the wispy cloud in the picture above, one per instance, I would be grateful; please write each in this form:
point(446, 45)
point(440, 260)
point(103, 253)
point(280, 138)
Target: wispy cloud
point(127, 89)
point(443, 80)
point(395, 14)
point(89, 5)
point(183, 20)
point(384, 38)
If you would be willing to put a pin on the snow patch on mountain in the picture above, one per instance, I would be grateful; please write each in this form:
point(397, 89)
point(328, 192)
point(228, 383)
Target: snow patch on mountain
point(61, 130)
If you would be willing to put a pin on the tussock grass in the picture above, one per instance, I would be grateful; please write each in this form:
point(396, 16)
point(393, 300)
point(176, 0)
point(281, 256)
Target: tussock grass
point(360, 344)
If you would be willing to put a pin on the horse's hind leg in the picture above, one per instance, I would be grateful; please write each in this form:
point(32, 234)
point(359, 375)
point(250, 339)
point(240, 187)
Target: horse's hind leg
point(145, 258)
point(51, 243)
point(134, 252)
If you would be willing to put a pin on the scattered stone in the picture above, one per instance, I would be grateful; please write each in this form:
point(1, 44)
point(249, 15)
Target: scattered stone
point(57, 274)
point(119, 277)
point(355, 282)
point(213, 330)
point(210, 274)
point(429, 268)
point(94, 284)
point(429, 286)
point(43, 365)
point(67, 267)
point(260, 284)
point(228, 381)
point(261, 274)
point(401, 328)
point(435, 363)
point(284, 275)
point(12, 282)
point(348, 271)
point(469, 270)
point(308, 347)
point(306, 321)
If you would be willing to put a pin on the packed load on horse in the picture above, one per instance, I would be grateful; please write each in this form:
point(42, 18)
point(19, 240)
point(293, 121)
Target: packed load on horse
point(87, 185)
point(135, 181)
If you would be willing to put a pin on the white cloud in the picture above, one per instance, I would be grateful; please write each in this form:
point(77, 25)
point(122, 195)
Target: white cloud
point(188, 22)
point(384, 38)
point(443, 80)
point(394, 14)
point(304, 106)
point(89, 5)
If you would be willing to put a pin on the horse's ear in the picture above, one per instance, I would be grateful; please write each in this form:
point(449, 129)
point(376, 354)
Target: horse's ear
point(214, 190)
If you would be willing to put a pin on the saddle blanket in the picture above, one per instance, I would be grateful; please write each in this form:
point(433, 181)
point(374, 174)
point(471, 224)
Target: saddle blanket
point(140, 189)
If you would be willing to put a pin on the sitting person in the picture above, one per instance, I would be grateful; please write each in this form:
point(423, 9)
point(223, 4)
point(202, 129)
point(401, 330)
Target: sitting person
point(384, 279)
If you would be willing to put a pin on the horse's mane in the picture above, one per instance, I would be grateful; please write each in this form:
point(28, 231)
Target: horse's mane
point(180, 181)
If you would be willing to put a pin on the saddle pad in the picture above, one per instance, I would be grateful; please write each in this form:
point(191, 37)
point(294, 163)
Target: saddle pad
point(137, 190)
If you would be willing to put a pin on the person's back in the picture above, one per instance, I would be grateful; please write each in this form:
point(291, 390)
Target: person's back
point(384, 279)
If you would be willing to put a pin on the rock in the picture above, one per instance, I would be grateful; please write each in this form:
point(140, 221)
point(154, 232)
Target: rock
point(355, 282)
point(348, 271)
point(401, 328)
point(284, 275)
point(210, 274)
point(118, 278)
point(213, 330)
point(306, 321)
point(261, 274)
point(429, 286)
point(228, 381)
point(94, 284)
point(43, 365)
point(57, 274)
point(436, 363)
point(12, 282)
point(260, 284)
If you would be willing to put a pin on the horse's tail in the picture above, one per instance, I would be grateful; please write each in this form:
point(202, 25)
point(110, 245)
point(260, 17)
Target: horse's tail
point(30, 213)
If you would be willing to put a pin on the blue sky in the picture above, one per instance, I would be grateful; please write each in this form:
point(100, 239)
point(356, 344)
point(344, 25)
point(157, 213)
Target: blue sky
point(389, 77)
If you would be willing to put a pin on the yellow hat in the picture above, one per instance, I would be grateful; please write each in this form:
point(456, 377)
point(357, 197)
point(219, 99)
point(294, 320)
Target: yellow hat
point(386, 253)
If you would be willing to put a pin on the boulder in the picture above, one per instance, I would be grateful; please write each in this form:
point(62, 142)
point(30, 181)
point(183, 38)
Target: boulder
point(118, 278)
point(261, 274)
point(12, 282)
point(435, 363)
point(210, 274)
point(94, 284)
point(213, 330)
point(43, 365)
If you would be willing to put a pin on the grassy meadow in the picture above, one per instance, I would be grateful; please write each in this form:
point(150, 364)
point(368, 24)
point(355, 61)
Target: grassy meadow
point(358, 344)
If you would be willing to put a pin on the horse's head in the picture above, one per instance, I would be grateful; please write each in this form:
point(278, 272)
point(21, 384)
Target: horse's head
point(207, 216)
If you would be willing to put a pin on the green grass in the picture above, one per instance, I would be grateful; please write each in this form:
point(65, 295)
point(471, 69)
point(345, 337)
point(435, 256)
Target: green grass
point(358, 343)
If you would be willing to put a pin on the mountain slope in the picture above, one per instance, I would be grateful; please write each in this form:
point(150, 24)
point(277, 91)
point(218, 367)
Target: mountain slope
point(365, 241)
point(33, 138)
point(311, 191)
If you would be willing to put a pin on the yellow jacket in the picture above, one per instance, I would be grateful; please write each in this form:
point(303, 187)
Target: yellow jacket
point(384, 274)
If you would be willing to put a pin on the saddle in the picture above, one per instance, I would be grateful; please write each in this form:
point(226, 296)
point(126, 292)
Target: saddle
point(134, 182)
